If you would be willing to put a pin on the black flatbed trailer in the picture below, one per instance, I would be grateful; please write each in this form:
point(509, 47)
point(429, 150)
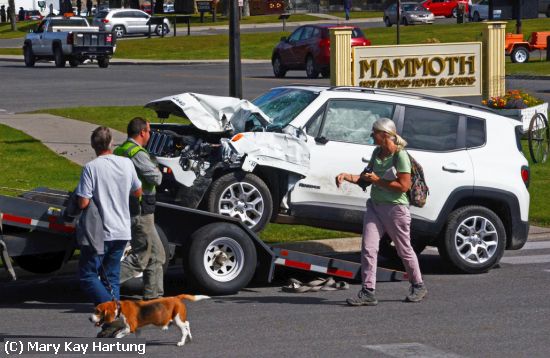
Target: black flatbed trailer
point(220, 254)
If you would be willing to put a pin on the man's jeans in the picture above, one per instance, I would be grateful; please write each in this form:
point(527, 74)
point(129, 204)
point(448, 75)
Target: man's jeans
point(90, 265)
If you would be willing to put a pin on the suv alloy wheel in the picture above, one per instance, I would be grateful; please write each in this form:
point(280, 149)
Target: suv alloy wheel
point(243, 196)
point(474, 239)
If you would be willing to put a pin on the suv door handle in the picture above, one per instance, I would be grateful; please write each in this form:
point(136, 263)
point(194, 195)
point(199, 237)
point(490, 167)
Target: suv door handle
point(365, 159)
point(453, 168)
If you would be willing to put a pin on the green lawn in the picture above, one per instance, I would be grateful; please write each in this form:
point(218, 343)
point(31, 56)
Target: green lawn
point(26, 164)
point(539, 189)
point(115, 117)
point(358, 14)
point(22, 28)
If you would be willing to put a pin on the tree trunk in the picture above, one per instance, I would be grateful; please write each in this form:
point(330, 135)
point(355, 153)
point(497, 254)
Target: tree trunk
point(246, 8)
point(11, 16)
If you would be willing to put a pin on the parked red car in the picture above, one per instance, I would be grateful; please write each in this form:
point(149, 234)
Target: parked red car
point(146, 7)
point(33, 15)
point(308, 47)
point(445, 8)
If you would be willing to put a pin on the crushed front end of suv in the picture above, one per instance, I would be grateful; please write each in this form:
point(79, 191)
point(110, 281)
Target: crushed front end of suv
point(210, 162)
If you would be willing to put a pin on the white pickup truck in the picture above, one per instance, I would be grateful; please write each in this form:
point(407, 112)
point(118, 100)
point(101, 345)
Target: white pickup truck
point(68, 38)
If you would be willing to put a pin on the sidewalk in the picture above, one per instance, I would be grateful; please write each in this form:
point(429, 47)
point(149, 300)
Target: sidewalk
point(71, 139)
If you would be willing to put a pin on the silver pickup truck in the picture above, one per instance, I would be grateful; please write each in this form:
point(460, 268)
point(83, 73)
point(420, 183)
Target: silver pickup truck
point(68, 38)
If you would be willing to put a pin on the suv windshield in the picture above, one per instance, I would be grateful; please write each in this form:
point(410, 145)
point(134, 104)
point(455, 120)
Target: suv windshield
point(282, 105)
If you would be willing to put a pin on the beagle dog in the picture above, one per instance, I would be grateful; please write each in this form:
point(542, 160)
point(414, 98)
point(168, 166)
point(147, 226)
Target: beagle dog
point(136, 314)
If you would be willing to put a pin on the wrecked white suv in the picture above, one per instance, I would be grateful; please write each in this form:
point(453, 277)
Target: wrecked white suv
point(276, 158)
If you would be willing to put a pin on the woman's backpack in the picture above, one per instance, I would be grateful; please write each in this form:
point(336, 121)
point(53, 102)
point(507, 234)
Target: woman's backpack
point(419, 191)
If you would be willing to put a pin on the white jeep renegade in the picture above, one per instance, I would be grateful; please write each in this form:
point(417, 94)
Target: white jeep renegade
point(276, 158)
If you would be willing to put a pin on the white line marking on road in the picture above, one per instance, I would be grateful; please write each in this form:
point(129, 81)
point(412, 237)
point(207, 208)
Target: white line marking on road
point(533, 259)
point(408, 350)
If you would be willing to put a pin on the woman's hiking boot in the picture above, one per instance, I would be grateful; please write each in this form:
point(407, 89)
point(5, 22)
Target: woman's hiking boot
point(365, 297)
point(417, 292)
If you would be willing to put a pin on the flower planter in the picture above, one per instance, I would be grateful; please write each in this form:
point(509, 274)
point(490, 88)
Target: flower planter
point(525, 115)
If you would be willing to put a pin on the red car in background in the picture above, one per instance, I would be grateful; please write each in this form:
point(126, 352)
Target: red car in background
point(146, 7)
point(308, 48)
point(447, 8)
point(33, 15)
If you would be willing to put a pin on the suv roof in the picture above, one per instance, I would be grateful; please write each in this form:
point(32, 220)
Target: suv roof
point(403, 94)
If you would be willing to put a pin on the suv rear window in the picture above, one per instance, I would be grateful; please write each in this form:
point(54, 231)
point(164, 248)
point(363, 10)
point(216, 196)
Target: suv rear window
point(101, 14)
point(430, 129)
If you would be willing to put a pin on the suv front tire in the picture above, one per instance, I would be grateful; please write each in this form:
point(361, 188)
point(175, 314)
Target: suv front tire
point(243, 196)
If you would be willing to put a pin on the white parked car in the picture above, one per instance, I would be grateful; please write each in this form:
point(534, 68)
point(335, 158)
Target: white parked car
point(276, 158)
point(128, 21)
point(480, 11)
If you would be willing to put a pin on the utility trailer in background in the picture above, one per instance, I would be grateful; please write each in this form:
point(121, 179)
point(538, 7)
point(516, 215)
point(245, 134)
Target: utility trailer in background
point(220, 254)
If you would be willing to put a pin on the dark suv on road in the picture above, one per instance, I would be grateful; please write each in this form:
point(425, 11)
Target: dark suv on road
point(308, 47)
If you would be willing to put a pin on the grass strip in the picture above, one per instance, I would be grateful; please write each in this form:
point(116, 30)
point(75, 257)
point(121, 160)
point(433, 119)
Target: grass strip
point(27, 164)
point(116, 117)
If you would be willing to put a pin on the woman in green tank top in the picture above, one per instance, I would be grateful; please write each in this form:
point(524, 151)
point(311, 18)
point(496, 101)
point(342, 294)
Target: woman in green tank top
point(387, 211)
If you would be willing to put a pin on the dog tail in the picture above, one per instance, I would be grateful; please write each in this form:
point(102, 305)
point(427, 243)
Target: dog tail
point(193, 298)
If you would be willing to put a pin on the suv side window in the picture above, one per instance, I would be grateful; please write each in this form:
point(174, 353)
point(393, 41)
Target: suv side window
point(351, 120)
point(140, 15)
point(430, 129)
point(306, 34)
point(296, 34)
point(121, 14)
point(475, 132)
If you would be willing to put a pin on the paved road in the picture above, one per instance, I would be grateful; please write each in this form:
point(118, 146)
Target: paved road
point(498, 314)
point(44, 86)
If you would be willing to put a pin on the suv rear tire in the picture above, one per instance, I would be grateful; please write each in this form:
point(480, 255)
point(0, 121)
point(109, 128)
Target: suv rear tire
point(474, 239)
point(243, 196)
point(119, 31)
point(311, 68)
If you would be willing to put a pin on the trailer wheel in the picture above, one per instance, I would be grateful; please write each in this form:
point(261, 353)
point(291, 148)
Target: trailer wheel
point(74, 62)
point(41, 263)
point(221, 259)
point(519, 55)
